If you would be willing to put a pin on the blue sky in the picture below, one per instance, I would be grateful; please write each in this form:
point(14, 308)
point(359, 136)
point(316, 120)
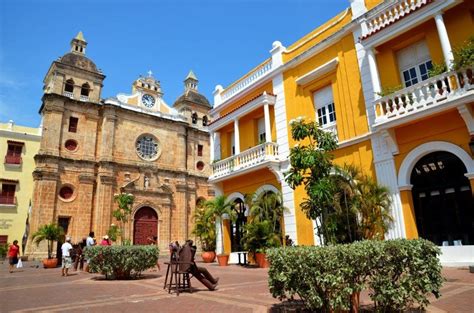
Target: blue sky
point(219, 40)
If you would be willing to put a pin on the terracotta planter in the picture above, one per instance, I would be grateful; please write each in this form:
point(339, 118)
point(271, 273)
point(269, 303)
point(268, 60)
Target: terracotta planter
point(261, 260)
point(50, 263)
point(208, 256)
point(223, 259)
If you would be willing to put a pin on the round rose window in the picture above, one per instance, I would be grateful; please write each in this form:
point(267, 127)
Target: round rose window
point(200, 165)
point(71, 145)
point(66, 192)
point(147, 147)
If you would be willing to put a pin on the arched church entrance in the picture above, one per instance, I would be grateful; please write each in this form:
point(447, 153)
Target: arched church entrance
point(443, 200)
point(237, 227)
point(145, 226)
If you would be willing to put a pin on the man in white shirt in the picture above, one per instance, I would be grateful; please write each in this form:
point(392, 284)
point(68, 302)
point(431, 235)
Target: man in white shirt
point(67, 261)
point(89, 243)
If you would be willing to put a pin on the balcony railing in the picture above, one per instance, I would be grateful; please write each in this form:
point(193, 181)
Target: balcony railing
point(13, 159)
point(68, 94)
point(247, 80)
point(433, 92)
point(389, 13)
point(84, 98)
point(7, 200)
point(264, 152)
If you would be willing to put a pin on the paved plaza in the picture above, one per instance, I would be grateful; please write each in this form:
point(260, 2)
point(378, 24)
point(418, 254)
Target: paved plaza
point(240, 290)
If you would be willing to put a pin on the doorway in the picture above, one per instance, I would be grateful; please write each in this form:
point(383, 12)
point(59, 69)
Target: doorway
point(145, 226)
point(237, 227)
point(64, 223)
point(442, 199)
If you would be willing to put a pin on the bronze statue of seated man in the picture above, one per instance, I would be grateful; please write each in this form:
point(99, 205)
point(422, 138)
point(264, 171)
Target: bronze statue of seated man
point(186, 254)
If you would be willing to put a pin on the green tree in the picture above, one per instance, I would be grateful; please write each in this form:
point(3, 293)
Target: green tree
point(311, 165)
point(216, 208)
point(267, 206)
point(125, 203)
point(50, 232)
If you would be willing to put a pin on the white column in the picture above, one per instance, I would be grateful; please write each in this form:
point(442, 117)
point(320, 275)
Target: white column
point(268, 129)
point(211, 146)
point(374, 72)
point(236, 136)
point(445, 44)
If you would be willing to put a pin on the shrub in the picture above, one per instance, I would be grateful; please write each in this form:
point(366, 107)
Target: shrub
point(3, 250)
point(398, 273)
point(121, 262)
point(464, 55)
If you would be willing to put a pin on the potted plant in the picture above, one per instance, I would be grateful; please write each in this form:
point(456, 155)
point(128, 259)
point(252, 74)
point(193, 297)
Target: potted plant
point(258, 237)
point(50, 232)
point(216, 209)
point(205, 231)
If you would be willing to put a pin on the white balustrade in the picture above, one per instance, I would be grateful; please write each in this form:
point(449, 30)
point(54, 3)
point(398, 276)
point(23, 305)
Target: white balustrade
point(391, 13)
point(435, 91)
point(264, 152)
point(247, 80)
point(68, 94)
point(84, 98)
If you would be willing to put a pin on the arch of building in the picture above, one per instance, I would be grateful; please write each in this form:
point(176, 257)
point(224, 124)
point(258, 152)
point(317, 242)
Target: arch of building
point(236, 195)
point(266, 188)
point(416, 154)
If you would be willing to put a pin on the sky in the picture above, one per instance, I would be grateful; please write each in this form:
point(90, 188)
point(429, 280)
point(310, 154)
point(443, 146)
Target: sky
point(219, 40)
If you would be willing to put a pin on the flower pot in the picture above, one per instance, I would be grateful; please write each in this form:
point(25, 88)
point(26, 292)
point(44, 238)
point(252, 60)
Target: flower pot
point(223, 259)
point(261, 260)
point(208, 256)
point(50, 263)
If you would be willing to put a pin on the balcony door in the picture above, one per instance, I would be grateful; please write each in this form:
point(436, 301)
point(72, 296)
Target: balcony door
point(443, 200)
point(414, 63)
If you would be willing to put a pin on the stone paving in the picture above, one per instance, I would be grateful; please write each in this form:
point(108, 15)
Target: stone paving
point(240, 290)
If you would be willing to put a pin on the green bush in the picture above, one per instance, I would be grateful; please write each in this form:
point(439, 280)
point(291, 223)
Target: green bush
point(398, 274)
point(3, 250)
point(121, 262)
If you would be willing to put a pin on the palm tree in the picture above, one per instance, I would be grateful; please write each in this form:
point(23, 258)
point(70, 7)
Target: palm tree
point(268, 206)
point(50, 232)
point(216, 208)
point(205, 229)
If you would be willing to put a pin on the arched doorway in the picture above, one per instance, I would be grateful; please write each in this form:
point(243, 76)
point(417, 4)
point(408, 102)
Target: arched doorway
point(237, 227)
point(145, 226)
point(442, 199)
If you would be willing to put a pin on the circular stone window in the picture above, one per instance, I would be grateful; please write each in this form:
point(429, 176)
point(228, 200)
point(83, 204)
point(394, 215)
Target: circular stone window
point(71, 145)
point(147, 147)
point(200, 165)
point(66, 192)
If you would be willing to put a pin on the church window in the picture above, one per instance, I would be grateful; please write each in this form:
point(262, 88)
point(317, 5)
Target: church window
point(66, 192)
point(147, 147)
point(194, 117)
point(71, 145)
point(200, 165)
point(8, 193)
point(14, 152)
point(69, 87)
point(73, 124)
point(200, 149)
point(204, 120)
point(85, 88)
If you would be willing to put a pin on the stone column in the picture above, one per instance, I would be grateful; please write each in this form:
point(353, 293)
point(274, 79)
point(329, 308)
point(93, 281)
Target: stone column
point(268, 129)
point(108, 135)
point(101, 216)
point(179, 218)
point(90, 137)
point(211, 146)
point(53, 112)
point(444, 39)
point(82, 217)
point(236, 136)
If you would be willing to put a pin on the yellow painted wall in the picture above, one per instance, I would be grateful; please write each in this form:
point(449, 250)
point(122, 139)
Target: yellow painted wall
point(459, 23)
point(350, 113)
point(409, 214)
point(249, 183)
point(317, 35)
point(369, 4)
point(268, 87)
point(15, 217)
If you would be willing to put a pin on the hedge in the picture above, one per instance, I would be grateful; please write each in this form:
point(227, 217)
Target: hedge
point(398, 274)
point(121, 262)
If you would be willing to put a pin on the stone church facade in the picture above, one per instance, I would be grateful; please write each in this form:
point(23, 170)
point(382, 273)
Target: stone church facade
point(94, 148)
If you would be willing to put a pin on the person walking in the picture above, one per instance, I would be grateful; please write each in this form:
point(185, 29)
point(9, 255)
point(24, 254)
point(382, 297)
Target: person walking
point(105, 241)
point(66, 249)
point(13, 255)
point(89, 243)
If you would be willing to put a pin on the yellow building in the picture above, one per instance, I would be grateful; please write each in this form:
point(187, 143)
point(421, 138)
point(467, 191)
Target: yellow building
point(18, 146)
point(416, 141)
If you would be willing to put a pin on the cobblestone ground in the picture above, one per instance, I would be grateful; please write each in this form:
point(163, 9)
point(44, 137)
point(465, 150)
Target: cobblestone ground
point(240, 290)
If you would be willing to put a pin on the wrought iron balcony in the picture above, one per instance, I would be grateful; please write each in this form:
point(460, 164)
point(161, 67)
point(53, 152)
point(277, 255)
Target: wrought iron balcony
point(432, 95)
point(13, 159)
point(248, 159)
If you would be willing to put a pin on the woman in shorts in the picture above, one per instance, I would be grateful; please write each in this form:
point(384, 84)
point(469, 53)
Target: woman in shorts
point(13, 255)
